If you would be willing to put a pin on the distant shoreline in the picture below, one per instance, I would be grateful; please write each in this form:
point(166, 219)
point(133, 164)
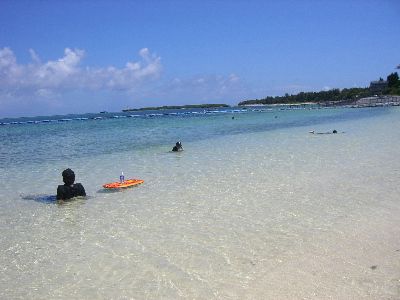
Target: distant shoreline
point(207, 106)
point(212, 106)
point(283, 104)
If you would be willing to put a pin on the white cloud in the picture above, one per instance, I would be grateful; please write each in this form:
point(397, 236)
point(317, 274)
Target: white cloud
point(7, 58)
point(46, 84)
point(34, 56)
point(65, 85)
point(66, 74)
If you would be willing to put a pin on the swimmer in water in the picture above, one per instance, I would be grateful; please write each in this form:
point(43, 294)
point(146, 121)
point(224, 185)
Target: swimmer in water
point(334, 131)
point(69, 189)
point(178, 147)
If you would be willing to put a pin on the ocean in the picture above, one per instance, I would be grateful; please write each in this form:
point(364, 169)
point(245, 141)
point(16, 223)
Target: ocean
point(256, 207)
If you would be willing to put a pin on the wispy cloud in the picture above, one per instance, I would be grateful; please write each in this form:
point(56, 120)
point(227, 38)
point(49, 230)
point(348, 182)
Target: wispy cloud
point(206, 88)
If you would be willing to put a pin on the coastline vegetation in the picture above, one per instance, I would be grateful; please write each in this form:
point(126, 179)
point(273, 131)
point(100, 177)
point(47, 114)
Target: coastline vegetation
point(314, 97)
point(330, 95)
point(394, 84)
point(347, 94)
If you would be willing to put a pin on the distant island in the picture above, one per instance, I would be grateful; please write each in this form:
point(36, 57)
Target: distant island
point(205, 106)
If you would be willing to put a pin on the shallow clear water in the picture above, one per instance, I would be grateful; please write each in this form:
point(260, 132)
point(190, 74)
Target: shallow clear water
point(234, 216)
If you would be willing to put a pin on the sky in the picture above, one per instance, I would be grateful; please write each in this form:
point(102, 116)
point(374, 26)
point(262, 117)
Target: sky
point(62, 57)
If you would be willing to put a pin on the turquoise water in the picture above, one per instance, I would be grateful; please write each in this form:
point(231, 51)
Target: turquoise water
point(240, 209)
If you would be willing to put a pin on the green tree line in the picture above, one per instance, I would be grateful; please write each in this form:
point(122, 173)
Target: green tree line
point(394, 84)
point(317, 97)
point(331, 95)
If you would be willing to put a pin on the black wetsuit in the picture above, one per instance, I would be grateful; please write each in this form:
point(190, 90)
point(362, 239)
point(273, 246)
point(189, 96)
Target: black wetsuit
point(177, 148)
point(65, 192)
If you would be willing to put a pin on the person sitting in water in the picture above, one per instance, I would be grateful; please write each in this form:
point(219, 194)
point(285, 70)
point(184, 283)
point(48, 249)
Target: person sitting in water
point(178, 147)
point(69, 189)
point(334, 131)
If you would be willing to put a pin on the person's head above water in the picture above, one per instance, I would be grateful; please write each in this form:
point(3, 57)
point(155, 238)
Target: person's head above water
point(68, 176)
point(178, 147)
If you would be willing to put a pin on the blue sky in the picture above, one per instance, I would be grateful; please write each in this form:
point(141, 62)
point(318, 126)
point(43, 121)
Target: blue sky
point(78, 56)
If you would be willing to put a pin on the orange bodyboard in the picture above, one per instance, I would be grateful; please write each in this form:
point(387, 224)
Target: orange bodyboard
point(127, 183)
